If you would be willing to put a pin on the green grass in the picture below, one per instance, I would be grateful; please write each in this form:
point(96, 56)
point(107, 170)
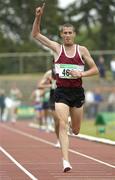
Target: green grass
point(88, 128)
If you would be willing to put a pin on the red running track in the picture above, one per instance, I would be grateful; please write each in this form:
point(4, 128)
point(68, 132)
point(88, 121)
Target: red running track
point(28, 153)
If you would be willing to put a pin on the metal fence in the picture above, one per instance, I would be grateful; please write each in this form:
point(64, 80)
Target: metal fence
point(21, 63)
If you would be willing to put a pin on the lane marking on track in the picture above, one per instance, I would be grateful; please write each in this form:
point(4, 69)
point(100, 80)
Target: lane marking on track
point(83, 136)
point(18, 164)
point(89, 157)
point(52, 144)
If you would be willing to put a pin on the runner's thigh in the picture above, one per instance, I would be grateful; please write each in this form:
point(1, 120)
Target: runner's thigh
point(62, 111)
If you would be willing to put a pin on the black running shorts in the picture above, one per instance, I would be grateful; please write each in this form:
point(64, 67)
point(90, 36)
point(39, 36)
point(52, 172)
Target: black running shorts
point(73, 97)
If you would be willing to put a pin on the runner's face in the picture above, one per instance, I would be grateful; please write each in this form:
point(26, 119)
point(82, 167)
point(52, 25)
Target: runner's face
point(68, 36)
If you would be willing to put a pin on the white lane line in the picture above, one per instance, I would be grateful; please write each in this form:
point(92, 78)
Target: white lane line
point(91, 138)
point(28, 135)
point(18, 164)
point(84, 136)
point(89, 157)
point(52, 144)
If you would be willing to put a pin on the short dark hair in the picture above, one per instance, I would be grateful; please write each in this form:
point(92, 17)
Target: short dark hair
point(66, 25)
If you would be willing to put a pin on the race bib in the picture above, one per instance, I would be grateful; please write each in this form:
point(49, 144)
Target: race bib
point(63, 70)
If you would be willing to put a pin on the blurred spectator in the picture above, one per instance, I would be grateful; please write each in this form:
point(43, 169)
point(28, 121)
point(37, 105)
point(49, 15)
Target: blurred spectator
point(8, 109)
point(98, 98)
point(101, 67)
point(2, 103)
point(46, 84)
point(93, 100)
point(36, 96)
point(111, 101)
point(89, 103)
point(112, 67)
point(16, 96)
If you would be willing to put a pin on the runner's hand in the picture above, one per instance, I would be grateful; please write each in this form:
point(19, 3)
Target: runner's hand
point(75, 73)
point(39, 10)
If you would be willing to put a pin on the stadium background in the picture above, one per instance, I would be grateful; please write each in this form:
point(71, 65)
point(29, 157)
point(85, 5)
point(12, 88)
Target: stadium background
point(27, 152)
point(24, 61)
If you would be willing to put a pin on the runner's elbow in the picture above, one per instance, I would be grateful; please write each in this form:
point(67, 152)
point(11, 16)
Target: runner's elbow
point(35, 35)
point(96, 70)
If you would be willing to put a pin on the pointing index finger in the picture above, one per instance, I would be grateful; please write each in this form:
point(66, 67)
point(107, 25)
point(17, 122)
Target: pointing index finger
point(43, 5)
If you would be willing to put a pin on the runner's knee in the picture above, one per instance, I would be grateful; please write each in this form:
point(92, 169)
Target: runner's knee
point(62, 125)
point(76, 131)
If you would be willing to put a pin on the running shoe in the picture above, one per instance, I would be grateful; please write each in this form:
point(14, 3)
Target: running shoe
point(57, 145)
point(66, 166)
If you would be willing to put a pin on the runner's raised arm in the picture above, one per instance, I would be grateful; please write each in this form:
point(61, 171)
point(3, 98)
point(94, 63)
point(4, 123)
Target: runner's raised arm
point(36, 33)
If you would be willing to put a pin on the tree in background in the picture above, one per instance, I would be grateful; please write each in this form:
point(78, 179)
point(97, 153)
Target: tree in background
point(94, 21)
point(16, 18)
